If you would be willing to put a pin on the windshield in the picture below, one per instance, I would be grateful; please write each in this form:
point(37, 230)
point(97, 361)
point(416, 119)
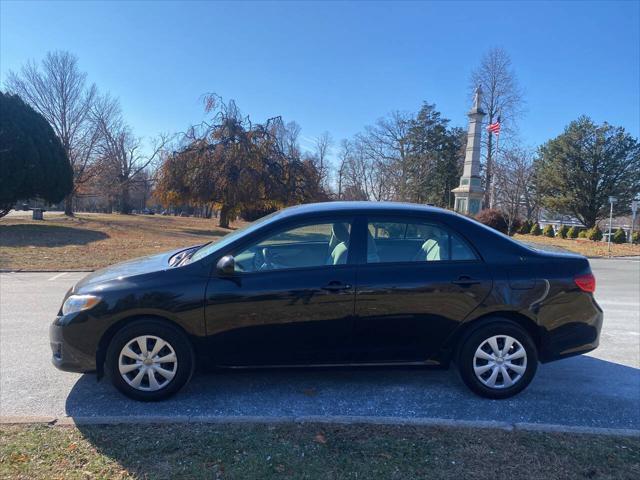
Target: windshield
point(211, 247)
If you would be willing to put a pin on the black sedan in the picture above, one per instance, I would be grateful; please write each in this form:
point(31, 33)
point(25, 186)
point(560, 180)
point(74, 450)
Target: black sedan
point(338, 283)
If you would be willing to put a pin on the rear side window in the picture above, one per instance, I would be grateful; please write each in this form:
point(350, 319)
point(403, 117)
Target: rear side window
point(414, 241)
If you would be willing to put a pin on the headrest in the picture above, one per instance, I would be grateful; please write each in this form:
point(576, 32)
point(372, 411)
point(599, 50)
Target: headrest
point(434, 233)
point(341, 231)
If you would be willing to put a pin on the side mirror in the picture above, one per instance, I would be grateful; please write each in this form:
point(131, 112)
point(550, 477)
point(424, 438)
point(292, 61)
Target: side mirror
point(226, 266)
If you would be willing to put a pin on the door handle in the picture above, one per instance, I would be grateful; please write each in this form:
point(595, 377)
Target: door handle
point(336, 287)
point(465, 281)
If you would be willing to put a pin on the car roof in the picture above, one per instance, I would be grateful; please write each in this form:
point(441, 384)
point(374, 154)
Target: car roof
point(359, 207)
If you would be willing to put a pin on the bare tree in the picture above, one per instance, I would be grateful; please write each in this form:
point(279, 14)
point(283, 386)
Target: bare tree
point(287, 135)
point(58, 90)
point(386, 147)
point(323, 145)
point(343, 157)
point(122, 155)
point(513, 177)
point(501, 96)
point(362, 176)
point(357, 171)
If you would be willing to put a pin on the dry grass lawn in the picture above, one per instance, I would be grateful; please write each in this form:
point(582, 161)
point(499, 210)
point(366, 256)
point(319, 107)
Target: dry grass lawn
point(309, 451)
point(583, 246)
point(91, 241)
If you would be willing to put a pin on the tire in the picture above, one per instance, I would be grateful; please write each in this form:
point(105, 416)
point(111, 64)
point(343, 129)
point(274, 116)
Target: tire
point(127, 365)
point(477, 354)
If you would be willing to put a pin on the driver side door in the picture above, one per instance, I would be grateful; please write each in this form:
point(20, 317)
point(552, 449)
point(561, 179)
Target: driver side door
point(288, 302)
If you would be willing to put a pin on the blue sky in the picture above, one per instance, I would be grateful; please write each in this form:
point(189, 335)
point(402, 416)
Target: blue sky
point(339, 66)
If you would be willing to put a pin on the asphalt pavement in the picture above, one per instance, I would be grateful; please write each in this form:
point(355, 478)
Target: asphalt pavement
point(598, 390)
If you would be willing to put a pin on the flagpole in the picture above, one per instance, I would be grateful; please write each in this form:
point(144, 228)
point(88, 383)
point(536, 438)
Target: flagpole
point(492, 186)
point(492, 194)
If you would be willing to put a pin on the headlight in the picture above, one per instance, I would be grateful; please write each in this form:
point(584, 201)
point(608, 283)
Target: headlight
point(77, 303)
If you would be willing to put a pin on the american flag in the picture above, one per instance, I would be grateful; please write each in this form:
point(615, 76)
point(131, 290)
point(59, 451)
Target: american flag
point(495, 127)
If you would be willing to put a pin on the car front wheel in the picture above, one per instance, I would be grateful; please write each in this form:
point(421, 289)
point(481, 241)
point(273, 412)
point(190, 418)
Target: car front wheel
point(498, 360)
point(149, 360)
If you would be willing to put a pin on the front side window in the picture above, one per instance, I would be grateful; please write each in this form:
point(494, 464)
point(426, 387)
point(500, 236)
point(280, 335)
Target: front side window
point(302, 246)
point(414, 241)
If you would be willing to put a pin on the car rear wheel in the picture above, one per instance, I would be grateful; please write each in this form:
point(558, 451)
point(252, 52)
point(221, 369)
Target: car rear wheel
point(149, 360)
point(498, 360)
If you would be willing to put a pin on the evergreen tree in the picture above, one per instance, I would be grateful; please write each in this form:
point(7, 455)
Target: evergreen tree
point(573, 232)
point(32, 160)
point(563, 231)
point(578, 170)
point(435, 158)
point(549, 231)
point(594, 234)
point(619, 236)
point(536, 230)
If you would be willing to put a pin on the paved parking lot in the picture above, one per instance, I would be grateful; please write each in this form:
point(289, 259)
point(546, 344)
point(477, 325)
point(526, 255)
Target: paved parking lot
point(600, 390)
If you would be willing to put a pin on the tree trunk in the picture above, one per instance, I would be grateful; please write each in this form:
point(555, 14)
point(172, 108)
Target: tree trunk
point(125, 207)
point(68, 205)
point(224, 216)
point(590, 219)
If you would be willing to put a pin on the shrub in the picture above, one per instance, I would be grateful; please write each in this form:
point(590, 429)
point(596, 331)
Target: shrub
point(563, 231)
point(573, 232)
point(594, 234)
point(493, 218)
point(635, 238)
point(549, 231)
point(619, 236)
point(535, 230)
point(525, 228)
point(582, 234)
point(516, 224)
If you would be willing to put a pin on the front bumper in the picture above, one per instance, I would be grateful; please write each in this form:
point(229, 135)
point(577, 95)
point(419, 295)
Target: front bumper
point(64, 355)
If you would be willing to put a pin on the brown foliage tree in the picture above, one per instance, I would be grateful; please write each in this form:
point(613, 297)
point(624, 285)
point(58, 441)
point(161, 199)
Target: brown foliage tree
point(238, 165)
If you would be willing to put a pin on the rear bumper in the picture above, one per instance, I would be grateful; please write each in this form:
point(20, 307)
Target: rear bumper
point(573, 337)
point(66, 357)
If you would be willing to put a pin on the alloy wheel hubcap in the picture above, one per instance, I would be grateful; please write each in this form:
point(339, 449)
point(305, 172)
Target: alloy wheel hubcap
point(500, 361)
point(147, 363)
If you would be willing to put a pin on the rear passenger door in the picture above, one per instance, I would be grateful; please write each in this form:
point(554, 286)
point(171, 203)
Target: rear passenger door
point(419, 282)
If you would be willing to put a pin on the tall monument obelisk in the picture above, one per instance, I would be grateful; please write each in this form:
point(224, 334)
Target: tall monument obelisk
point(470, 192)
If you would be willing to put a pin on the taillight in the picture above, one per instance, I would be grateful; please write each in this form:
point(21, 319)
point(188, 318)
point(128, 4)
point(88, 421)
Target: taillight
point(586, 282)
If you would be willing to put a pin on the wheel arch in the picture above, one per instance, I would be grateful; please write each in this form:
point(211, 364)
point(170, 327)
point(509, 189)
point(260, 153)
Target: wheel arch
point(108, 335)
point(467, 328)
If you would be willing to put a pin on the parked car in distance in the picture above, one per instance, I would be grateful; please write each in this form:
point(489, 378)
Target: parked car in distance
point(333, 284)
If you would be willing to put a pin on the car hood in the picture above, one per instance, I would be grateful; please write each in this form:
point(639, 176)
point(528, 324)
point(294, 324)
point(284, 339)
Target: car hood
point(130, 268)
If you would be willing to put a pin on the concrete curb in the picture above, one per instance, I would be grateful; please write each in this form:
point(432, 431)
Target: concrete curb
point(22, 270)
point(341, 420)
point(632, 258)
point(27, 420)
